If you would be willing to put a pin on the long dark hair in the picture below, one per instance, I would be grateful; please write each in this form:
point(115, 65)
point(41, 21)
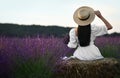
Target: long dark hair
point(84, 34)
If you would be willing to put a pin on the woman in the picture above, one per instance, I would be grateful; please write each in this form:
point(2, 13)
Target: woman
point(82, 38)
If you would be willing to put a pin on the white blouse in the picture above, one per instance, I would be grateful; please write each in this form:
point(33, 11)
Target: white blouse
point(90, 52)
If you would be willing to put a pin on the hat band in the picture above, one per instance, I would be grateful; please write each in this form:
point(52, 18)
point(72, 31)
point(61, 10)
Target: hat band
point(85, 18)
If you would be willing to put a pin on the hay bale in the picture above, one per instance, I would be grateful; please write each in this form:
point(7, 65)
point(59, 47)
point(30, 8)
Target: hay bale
point(74, 68)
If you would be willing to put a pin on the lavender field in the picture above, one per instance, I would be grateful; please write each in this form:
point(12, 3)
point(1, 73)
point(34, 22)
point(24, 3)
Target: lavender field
point(36, 57)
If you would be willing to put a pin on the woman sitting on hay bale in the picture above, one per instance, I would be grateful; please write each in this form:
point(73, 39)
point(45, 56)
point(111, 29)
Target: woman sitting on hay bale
point(87, 61)
point(82, 37)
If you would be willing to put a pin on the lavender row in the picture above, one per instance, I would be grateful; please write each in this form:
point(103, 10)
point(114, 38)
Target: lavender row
point(15, 51)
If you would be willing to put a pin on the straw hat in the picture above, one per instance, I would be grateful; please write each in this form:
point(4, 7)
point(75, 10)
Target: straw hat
point(84, 15)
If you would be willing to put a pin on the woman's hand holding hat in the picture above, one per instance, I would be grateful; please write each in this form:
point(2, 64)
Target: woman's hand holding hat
point(98, 13)
point(107, 24)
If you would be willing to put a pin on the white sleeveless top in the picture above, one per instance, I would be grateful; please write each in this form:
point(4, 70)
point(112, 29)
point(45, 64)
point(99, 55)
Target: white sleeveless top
point(90, 52)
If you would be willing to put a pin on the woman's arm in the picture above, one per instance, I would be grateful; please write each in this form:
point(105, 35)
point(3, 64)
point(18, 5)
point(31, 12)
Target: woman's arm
point(108, 25)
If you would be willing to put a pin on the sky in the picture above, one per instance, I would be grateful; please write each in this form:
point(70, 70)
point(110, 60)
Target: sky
point(57, 12)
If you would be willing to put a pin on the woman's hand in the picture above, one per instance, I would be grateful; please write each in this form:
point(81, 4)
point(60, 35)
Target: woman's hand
point(108, 25)
point(98, 13)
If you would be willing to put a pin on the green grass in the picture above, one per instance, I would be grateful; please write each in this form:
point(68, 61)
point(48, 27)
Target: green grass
point(36, 68)
point(110, 51)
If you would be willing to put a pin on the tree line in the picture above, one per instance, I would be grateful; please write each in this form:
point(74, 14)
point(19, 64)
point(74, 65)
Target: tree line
point(16, 30)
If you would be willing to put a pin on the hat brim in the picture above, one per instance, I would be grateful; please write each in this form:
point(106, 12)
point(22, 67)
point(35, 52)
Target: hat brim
point(87, 21)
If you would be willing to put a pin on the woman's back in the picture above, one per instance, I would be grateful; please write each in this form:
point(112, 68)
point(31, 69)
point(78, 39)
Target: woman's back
point(90, 52)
